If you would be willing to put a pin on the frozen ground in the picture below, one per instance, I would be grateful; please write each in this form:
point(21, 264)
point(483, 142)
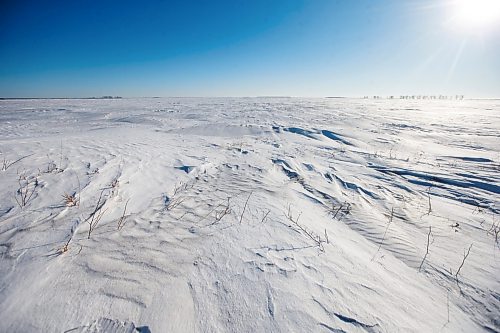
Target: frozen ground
point(250, 215)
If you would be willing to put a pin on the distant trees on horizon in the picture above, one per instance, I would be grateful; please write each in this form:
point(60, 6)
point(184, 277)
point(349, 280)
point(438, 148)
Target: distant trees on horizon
point(108, 97)
point(432, 97)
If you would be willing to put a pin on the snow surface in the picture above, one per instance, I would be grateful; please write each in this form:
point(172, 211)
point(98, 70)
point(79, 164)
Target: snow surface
point(326, 227)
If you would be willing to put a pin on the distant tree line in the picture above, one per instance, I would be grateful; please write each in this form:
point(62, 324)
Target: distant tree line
point(433, 97)
point(108, 97)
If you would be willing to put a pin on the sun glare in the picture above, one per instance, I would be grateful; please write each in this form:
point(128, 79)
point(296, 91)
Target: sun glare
point(476, 14)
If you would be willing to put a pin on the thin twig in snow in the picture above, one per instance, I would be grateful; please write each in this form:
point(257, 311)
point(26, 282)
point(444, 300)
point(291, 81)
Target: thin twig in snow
point(265, 216)
point(385, 232)
point(245, 207)
point(427, 250)
point(96, 215)
point(121, 221)
point(466, 254)
point(6, 164)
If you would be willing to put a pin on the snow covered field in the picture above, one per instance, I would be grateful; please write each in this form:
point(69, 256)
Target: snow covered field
point(250, 215)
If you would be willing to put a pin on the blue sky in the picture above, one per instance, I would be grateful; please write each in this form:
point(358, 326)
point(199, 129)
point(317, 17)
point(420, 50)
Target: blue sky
point(243, 48)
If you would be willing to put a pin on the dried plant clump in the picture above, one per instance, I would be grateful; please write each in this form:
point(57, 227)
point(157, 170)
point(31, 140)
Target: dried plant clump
point(495, 231)
point(65, 248)
point(171, 203)
point(52, 168)
point(219, 214)
point(175, 200)
point(114, 186)
point(26, 190)
point(344, 208)
point(70, 200)
point(182, 187)
point(314, 237)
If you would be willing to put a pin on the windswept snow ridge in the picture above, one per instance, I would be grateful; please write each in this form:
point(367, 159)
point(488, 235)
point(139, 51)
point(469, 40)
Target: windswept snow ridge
point(249, 215)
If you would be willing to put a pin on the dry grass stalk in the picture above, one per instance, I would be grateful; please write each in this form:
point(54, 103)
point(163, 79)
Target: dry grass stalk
point(121, 221)
point(245, 207)
point(210, 212)
point(182, 187)
point(60, 160)
point(385, 233)
point(429, 211)
point(79, 191)
point(7, 164)
point(173, 203)
point(427, 249)
point(96, 215)
point(466, 254)
point(264, 218)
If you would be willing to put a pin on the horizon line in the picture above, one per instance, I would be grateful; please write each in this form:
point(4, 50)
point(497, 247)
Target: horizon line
point(259, 96)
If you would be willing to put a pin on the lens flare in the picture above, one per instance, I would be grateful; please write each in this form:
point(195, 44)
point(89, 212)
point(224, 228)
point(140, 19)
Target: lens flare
point(476, 14)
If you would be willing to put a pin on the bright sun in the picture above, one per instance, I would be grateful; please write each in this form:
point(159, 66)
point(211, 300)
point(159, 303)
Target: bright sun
point(476, 14)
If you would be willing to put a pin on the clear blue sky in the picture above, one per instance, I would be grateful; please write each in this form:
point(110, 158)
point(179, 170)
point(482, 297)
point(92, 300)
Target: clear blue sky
point(243, 48)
